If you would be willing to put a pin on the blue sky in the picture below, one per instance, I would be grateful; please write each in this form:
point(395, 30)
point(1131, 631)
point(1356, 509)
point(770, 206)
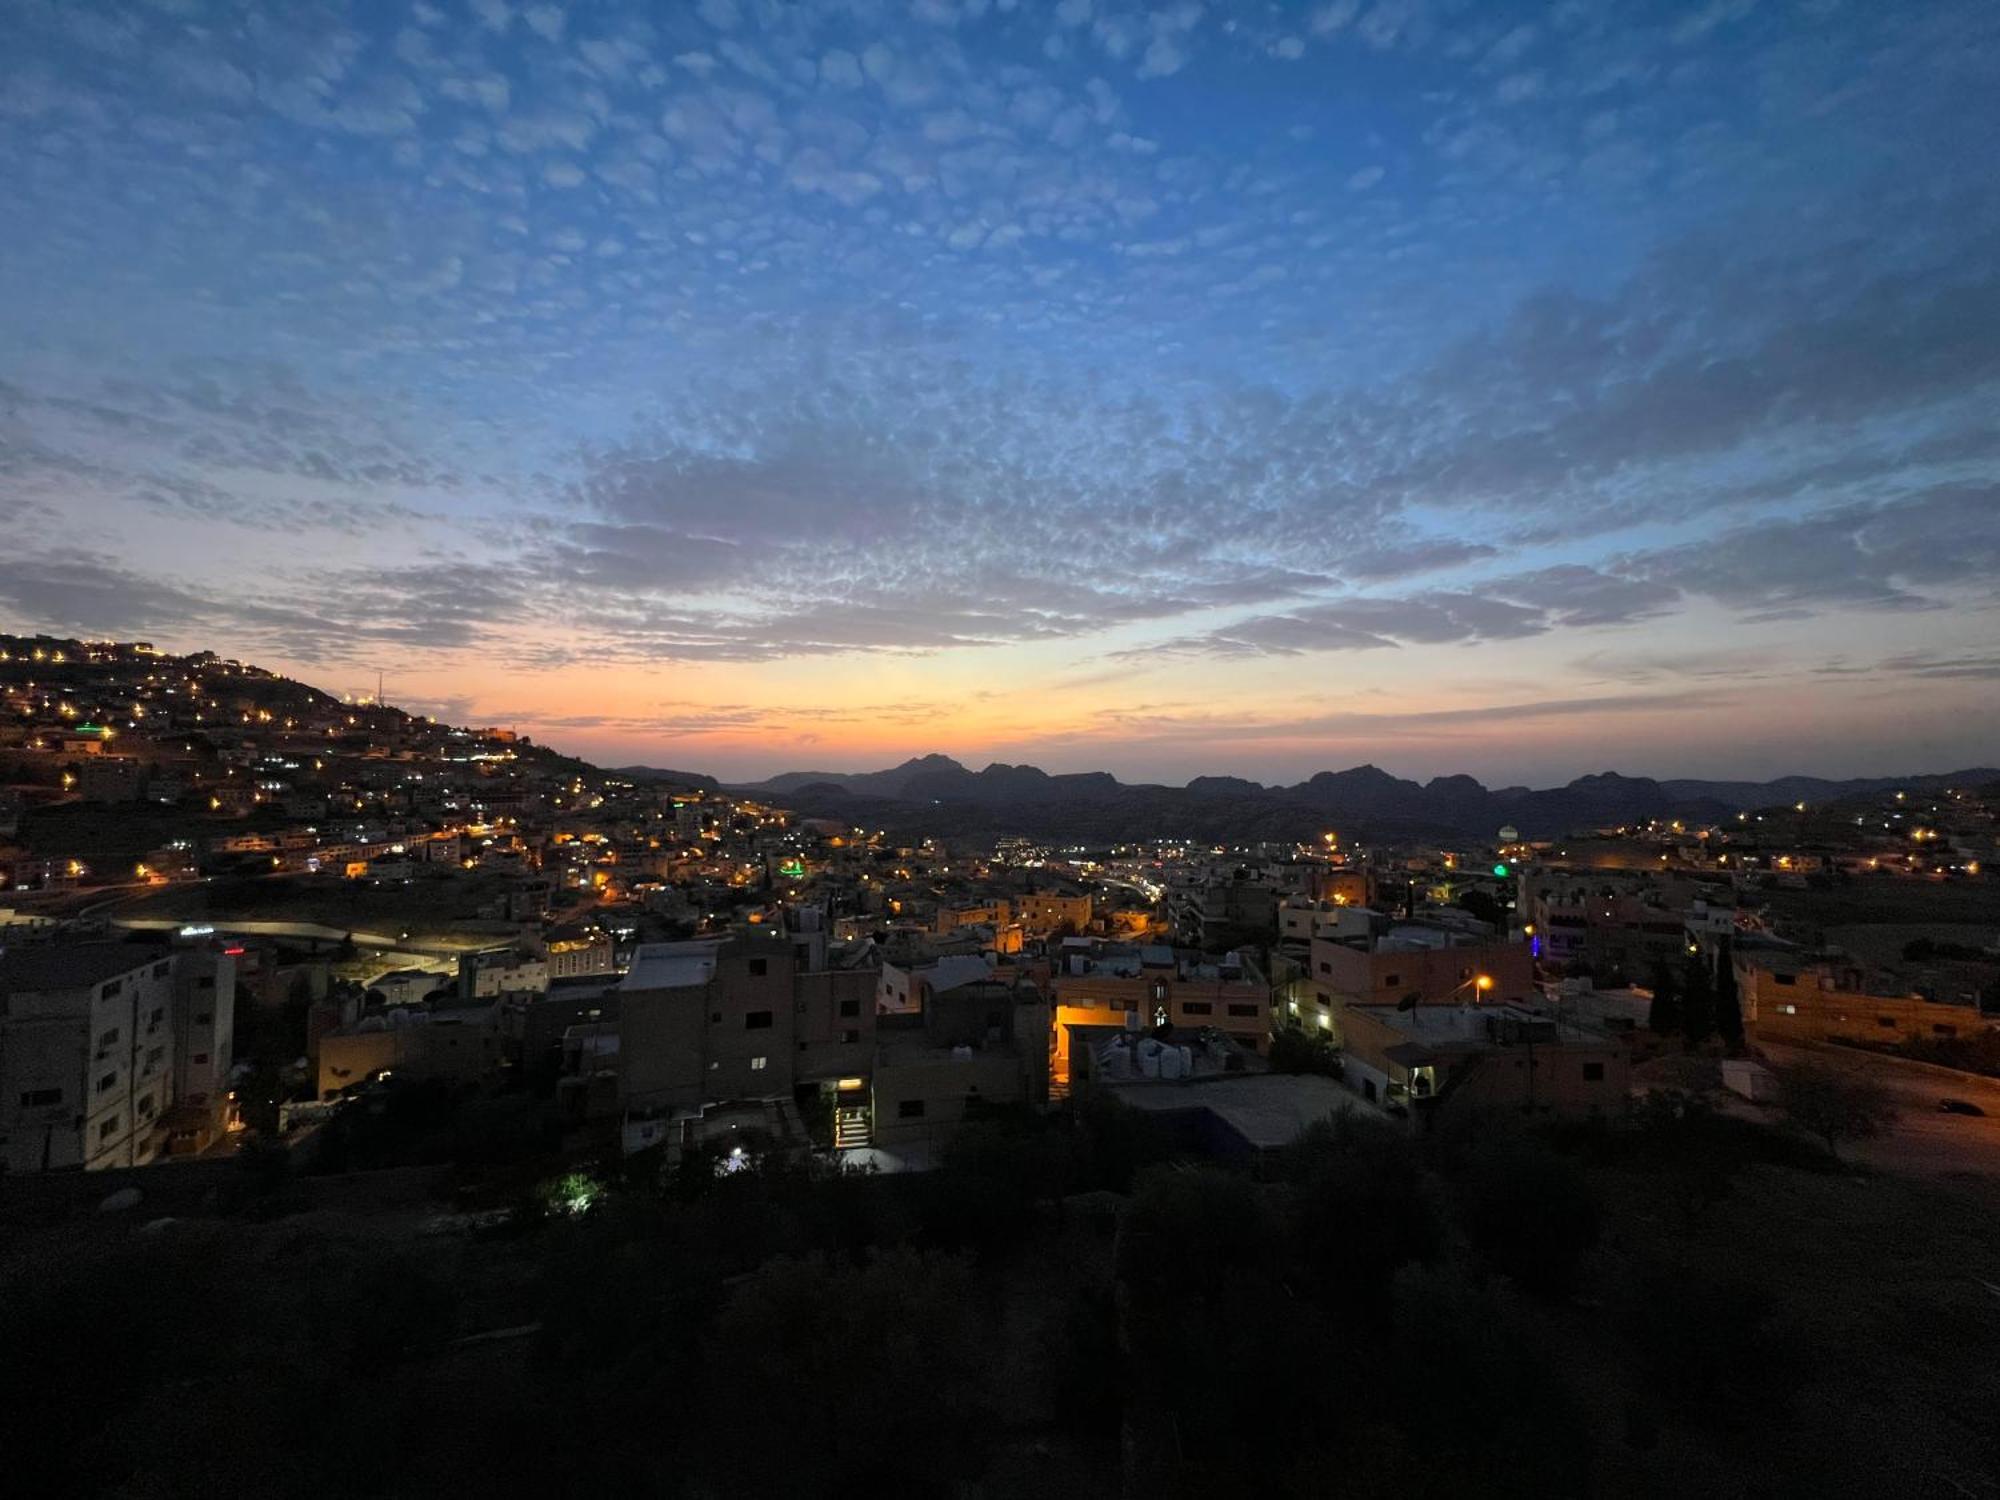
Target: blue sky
point(1193, 387)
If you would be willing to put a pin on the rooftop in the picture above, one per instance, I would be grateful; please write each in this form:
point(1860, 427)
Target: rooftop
point(1460, 1026)
point(71, 966)
point(1268, 1110)
point(672, 966)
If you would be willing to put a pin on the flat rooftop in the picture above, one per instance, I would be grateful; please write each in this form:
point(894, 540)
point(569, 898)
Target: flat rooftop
point(71, 966)
point(1268, 1110)
point(672, 966)
point(1450, 1025)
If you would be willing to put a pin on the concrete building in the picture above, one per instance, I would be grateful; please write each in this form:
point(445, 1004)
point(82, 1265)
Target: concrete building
point(204, 1046)
point(86, 1055)
point(1045, 912)
point(1483, 1056)
point(758, 1026)
point(1438, 963)
point(743, 1018)
point(1147, 986)
point(1202, 913)
point(460, 1046)
point(1795, 998)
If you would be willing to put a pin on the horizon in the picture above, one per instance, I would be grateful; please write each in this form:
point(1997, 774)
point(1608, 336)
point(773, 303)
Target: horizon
point(1183, 390)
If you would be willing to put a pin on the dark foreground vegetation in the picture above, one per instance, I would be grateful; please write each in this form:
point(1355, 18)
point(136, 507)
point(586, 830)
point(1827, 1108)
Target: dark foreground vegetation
point(1692, 1306)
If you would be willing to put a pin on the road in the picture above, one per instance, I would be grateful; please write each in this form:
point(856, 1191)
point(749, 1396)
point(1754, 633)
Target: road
point(1923, 1141)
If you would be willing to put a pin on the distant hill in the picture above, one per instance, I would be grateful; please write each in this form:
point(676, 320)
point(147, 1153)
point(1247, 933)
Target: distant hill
point(677, 778)
point(1363, 800)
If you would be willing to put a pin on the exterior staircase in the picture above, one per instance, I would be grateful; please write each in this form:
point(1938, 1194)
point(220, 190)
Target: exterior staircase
point(851, 1127)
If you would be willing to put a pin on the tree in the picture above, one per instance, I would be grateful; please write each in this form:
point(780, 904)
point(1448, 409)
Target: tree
point(1834, 1105)
point(1664, 1018)
point(1530, 1213)
point(1483, 905)
point(1360, 1208)
point(1697, 1001)
point(1728, 1006)
point(1297, 1049)
point(815, 1363)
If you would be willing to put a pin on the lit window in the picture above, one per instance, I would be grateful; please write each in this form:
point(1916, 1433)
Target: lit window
point(757, 1064)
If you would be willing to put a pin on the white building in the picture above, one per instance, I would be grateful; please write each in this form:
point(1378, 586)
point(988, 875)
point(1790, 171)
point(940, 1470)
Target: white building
point(86, 1055)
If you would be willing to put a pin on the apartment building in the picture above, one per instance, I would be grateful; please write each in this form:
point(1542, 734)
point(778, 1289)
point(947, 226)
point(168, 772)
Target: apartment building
point(1510, 1057)
point(1797, 998)
point(757, 1024)
point(1440, 962)
point(89, 1052)
point(1145, 986)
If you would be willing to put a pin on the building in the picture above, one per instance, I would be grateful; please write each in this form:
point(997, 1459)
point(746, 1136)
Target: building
point(204, 1046)
point(460, 1046)
point(762, 1025)
point(1148, 986)
point(1204, 914)
point(983, 1042)
point(1513, 1057)
point(578, 951)
point(1795, 998)
point(1439, 963)
point(751, 1017)
point(1045, 912)
point(86, 1055)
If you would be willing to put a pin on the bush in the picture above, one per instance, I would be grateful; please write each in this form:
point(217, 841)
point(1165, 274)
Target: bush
point(1297, 1049)
point(1707, 1346)
point(805, 1363)
point(1530, 1214)
point(1360, 1208)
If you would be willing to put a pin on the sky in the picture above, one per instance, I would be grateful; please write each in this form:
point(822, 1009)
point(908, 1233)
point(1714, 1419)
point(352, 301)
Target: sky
point(1172, 389)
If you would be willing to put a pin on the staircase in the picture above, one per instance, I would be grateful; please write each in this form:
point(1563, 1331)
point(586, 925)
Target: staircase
point(850, 1127)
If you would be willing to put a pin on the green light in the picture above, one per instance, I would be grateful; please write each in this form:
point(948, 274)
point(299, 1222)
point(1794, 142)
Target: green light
point(1501, 871)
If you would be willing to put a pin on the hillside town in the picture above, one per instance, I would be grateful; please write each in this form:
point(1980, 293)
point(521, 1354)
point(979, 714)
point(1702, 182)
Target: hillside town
point(297, 898)
point(427, 1048)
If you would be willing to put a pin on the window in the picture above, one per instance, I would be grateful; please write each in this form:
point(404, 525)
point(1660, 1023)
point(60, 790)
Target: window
point(159, 1014)
point(146, 1108)
point(160, 971)
point(1393, 980)
point(1788, 1010)
point(204, 982)
point(758, 1064)
point(116, 986)
point(1240, 1009)
point(200, 1058)
point(757, 1020)
point(1325, 967)
point(155, 1057)
point(851, 1034)
point(37, 1098)
point(1198, 1007)
point(1785, 979)
point(109, 1039)
point(909, 1109)
point(850, 1007)
point(1593, 1072)
point(105, 1083)
point(759, 967)
point(108, 1129)
point(1944, 1031)
point(1887, 1021)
